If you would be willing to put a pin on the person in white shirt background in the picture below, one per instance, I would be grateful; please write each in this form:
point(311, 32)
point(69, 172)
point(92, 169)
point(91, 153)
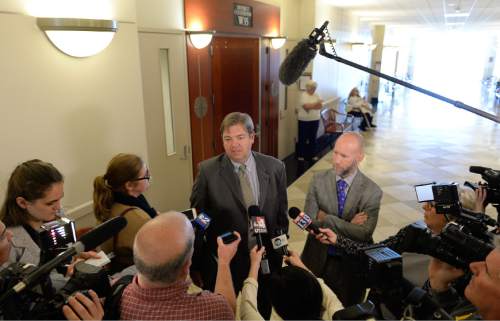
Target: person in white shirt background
point(308, 114)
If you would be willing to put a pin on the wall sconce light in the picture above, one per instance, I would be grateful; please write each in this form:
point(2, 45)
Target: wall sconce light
point(201, 39)
point(278, 42)
point(78, 37)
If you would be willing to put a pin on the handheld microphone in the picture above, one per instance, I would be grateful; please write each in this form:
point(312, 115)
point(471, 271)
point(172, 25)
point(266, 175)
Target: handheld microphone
point(280, 242)
point(296, 62)
point(87, 242)
point(258, 225)
point(302, 220)
point(201, 222)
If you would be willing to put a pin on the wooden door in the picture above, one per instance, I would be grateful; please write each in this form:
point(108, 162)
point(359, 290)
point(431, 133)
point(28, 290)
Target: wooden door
point(235, 81)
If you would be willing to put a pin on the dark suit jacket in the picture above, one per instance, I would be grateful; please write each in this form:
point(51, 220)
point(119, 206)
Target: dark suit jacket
point(217, 192)
point(363, 196)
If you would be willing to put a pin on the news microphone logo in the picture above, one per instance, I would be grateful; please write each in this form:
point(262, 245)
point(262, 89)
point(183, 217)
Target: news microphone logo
point(202, 221)
point(302, 221)
point(258, 224)
point(279, 241)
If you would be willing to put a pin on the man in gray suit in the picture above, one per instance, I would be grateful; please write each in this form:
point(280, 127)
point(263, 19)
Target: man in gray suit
point(226, 186)
point(348, 202)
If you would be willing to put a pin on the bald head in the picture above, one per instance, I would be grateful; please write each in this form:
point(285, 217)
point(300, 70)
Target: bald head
point(163, 246)
point(348, 153)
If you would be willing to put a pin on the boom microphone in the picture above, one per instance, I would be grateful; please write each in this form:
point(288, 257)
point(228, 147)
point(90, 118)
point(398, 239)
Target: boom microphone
point(302, 220)
point(87, 242)
point(296, 62)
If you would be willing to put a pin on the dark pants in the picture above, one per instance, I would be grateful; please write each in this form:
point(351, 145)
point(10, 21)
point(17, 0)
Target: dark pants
point(342, 275)
point(363, 123)
point(306, 146)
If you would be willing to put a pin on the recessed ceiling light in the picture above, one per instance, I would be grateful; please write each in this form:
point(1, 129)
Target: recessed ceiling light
point(457, 15)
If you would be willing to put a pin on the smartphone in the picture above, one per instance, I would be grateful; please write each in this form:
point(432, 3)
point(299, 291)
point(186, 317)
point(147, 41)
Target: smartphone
point(424, 192)
point(228, 237)
point(190, 213)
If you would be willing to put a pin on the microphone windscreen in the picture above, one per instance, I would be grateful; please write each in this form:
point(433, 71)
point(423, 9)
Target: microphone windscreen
point(296, 62)
point(477, 169)
point(103, 232)
point(253, 210)
point(293, 212)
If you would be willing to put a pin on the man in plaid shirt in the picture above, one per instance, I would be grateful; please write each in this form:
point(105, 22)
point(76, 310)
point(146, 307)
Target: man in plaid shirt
point(163, 248)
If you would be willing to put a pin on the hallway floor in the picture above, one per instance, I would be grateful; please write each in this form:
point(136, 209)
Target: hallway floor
point(418, 140)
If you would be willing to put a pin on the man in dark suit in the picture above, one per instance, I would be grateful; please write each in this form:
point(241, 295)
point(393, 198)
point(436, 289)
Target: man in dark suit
point(346, 201)
point(226, 186)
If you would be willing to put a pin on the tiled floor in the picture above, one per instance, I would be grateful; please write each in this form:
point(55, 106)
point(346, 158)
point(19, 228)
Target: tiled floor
point(418, 140)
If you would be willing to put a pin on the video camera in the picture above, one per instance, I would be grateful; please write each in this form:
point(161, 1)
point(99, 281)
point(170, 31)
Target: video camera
point(26, 291)
point(391, 296)
point(42, 302)
point(54, 238)
point(469, 225)
point(465, 239)
point(492, 185)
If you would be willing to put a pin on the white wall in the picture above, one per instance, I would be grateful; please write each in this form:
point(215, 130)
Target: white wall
point(160, 14)
point(75, 113)
point(299, 17)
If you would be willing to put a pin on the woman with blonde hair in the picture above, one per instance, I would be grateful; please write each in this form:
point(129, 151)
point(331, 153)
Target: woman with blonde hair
point(119, 192)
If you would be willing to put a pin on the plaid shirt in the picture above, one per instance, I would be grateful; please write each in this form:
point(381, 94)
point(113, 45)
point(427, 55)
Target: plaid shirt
point(172, 303)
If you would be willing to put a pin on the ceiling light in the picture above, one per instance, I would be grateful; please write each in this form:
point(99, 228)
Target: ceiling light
point(78, 37)
point(457, 15)
point(200, 39)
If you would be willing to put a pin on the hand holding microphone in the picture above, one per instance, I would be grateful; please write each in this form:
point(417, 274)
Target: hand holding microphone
point(258, 225)
point(280, 242)
point(303, 221)
point(294, 259)
point(327, 236)
point(255, 261)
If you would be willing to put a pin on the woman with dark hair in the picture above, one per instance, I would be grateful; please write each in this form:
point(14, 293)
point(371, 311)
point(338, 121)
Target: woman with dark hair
point(33, 197)
point(296, 294)
point(119, 192)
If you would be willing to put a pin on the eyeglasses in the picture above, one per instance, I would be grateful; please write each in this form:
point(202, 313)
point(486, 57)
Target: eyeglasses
point(147, 176)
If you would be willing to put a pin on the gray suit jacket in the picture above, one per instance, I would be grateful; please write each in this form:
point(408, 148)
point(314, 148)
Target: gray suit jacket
point(363, 196)
point(217, 192)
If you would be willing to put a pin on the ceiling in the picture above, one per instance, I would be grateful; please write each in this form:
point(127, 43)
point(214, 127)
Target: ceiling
point(426, 13)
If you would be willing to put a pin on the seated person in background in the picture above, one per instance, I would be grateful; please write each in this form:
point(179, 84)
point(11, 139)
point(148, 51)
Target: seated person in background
point(163, 250)
point(119, 193)
point(296, 294)
point(33, 197)
point(483, 290)
point(79, 306)
point(358, 107)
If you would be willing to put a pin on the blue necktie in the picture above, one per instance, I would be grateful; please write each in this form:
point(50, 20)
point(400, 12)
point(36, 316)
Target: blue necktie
point(341, 195)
